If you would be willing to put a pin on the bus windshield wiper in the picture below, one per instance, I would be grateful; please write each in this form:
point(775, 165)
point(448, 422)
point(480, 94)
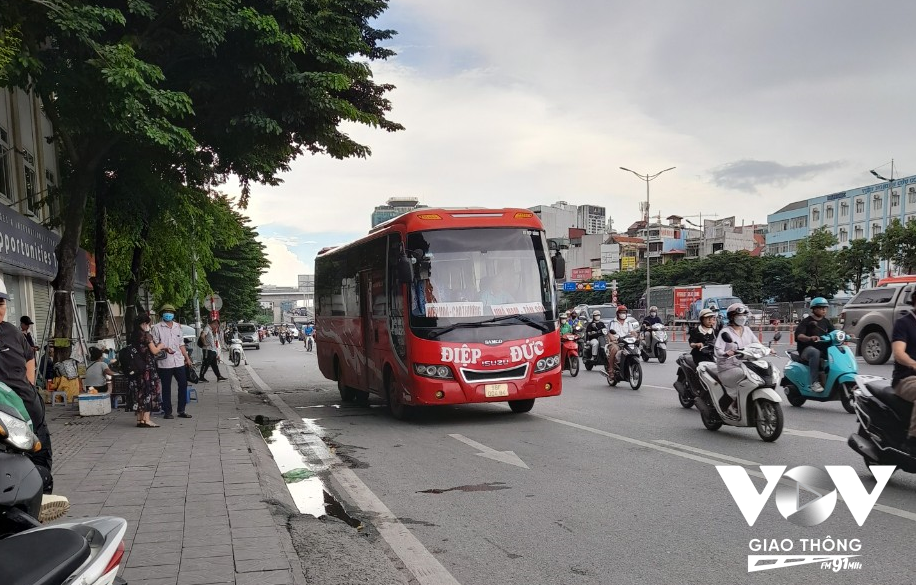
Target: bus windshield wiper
point(522, 318)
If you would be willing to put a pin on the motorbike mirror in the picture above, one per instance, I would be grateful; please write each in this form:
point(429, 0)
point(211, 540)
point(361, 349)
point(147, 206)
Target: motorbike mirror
point(726, 336)
point(778, 336)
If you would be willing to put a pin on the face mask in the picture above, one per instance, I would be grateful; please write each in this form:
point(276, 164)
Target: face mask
point(622, 316)
point(167, 317)
point(740, 321)
point(562, 321)
point(653, 313)
point(596, 318)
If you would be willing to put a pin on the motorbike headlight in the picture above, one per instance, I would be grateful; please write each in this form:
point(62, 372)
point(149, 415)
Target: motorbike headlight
point(16, 432)
point(547, 363)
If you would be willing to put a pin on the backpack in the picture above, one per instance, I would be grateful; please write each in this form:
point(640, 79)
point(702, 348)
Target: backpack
point(130, 360)
point(200, 339)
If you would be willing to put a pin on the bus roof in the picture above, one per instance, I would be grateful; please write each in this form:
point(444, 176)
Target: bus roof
point(451, 218)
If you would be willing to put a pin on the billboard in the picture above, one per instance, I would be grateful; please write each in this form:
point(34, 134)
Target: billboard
point(684, 296)
point(581, 273)
point(628, 263)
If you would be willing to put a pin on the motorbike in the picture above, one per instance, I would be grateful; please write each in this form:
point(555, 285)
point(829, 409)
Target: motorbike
point(627, 367)
point(758, 402)
point(589, 360)
point(838, 374)
point(654, 343)
point(237, 352)
point(309, 342)
point(569, 353)
point(282, 338)
point(884, 421)
point(688, 384)
point(87, 552)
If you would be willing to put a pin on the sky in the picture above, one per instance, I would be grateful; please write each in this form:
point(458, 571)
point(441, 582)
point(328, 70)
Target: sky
point(529, 102)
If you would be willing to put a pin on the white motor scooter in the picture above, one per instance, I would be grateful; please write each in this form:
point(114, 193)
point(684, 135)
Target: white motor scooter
point(237, 352)
point(758, 403)
point(654, 343)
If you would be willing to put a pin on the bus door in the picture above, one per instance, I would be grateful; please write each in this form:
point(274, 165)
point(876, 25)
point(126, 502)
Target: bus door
point(371, 372)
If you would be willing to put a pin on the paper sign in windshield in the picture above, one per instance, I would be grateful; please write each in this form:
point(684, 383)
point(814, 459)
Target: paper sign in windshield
point(454, 309)
point(517, 308)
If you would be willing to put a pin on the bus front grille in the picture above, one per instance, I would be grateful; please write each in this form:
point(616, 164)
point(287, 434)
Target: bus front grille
point(515, 373)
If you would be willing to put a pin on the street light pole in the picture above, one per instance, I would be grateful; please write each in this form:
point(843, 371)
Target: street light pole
point(647, 178)
point(890, 191)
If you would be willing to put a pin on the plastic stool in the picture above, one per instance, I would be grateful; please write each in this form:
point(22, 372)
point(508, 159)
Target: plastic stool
point(55, 394)
point(192, 395)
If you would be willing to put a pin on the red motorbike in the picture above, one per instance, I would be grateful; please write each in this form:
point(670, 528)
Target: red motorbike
point(569, 353)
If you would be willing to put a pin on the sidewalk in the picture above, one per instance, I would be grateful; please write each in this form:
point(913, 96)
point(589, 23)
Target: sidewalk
point(190, 492)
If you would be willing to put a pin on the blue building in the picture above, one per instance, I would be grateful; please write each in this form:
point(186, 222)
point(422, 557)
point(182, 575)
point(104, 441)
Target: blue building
point(861, 213)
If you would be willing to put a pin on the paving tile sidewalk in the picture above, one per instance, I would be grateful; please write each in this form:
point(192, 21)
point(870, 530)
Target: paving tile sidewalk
point(189, 491)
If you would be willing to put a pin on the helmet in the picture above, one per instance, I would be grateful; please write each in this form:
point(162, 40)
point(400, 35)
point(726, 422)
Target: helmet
point(3, 294)
point(736, 309)
point(653, 308)
point(622, 309)
point(819, 302)
point(596, 313)
point(707, 313)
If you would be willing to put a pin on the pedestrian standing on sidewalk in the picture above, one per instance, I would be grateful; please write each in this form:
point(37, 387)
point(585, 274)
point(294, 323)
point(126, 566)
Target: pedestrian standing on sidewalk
point(168, 333)
point(210, 339)
point(143, 376)
point(25, 322)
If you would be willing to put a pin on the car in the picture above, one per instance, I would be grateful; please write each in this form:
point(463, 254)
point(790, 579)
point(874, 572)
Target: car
point(248, 333)
point(756, 317)
point(608, 312)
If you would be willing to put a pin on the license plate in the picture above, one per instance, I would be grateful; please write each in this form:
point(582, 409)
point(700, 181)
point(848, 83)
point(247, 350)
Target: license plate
point(494, 390)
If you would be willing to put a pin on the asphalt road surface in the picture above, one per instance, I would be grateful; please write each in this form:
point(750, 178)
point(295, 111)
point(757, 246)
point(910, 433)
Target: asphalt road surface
point(603, 485)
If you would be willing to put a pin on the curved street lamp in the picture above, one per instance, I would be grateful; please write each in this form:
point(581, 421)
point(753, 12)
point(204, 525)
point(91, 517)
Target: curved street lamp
point(647, 178)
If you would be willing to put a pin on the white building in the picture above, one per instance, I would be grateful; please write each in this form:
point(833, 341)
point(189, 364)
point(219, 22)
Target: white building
point(557, 218)
point(591, 218)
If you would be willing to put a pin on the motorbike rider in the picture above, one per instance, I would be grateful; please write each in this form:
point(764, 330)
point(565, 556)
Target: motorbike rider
point(703, 335)
point(595, 333)
point(808, 334)
point(622, 326)
point(648, 321)
point(903, 343)
point(729, 366)
point(565, 327)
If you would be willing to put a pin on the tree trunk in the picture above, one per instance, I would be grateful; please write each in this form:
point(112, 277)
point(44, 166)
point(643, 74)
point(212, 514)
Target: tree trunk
point(99, 286)
point(133, 284)
point(66, 252)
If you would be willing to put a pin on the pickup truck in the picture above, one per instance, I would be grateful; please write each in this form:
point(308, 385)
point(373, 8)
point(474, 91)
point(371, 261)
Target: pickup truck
point(870, 315)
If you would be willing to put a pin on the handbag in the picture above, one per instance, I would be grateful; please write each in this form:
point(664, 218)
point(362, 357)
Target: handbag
point(191, 374)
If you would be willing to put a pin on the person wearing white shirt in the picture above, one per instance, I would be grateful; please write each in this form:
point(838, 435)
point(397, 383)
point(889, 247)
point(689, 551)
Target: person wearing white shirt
point(729, 366)
point(168, 333)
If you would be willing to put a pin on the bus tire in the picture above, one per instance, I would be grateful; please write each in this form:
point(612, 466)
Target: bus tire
point(347, 394)
point(520, 406)
point(398, 409)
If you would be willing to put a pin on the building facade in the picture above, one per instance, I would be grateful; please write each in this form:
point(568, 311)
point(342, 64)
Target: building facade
point(28, 178)
point(592, 219)
point(860, 213)
point(557, 218)
point(394, 207)
point(723, 235)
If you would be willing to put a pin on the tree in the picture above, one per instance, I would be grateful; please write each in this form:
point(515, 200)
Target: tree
point(816, 267)
point(237, 276)
point(858, 261)
point(198, 89)
point(898, 244)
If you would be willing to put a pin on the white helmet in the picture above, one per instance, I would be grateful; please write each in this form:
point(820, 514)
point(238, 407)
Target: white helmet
point(707, 313)
point(596, 313)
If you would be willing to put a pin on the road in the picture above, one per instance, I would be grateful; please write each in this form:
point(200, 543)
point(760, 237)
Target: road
point(604, 485)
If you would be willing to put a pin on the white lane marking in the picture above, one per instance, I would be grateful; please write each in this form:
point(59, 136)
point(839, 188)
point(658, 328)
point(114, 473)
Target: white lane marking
point(709, 453)
point(814, 435)
point(418, 560)
point(490, 453)
point(695, 456)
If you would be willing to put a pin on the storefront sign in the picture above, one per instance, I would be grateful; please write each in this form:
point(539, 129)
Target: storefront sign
point(28, 248)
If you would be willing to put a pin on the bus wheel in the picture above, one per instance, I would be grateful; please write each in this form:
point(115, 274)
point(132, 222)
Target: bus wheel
point(398, 409)
point(347, 394)
point(521, 405)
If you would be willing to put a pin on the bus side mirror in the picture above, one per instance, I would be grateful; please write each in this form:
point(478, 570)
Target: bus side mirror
point(405, 270)
point(559, 267)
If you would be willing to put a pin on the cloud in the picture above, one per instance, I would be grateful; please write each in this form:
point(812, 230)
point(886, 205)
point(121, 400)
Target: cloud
point(748, 175)
point(285, 266)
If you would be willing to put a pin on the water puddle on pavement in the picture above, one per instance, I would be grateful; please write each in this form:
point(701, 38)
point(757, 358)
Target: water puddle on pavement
point(302, 480)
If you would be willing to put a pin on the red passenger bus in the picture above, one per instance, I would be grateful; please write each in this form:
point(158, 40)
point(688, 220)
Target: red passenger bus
point(441, 306)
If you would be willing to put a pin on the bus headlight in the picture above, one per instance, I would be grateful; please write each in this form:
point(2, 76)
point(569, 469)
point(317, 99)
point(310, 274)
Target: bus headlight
point(433, 371)
point(546, 364)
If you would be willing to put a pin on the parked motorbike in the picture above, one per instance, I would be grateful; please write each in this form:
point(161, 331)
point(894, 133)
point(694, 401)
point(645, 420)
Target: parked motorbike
point(884, 420)
point(237, 352)
point(687, 383)
point(654, 343)
point(838, 374)
point(627, 367)
point(569, 353)
point(758, 402)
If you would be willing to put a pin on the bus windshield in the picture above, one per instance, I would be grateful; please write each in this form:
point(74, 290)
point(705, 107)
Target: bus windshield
point(465, 276)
